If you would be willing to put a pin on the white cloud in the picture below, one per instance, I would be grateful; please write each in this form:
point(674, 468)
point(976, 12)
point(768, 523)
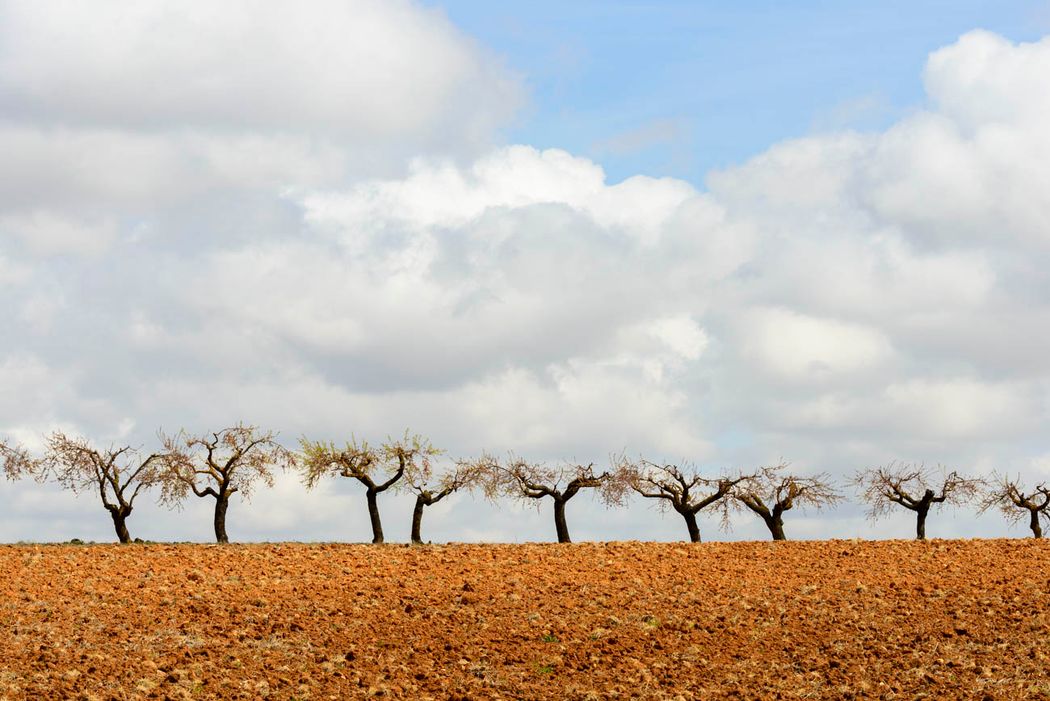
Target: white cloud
point(984, 79)
point(13, 273)
point(799, 348)
point(579, 410)
point(442, 196)
point(147, 116)
point(963, 408)
point(141, 171)
point(46, 233)
point(839, 300)
point(452, 271)
point(681, 334)
point(364, 69)
point(974, 167)
point(937, 412)
point(38, 397)
point(1039, 467)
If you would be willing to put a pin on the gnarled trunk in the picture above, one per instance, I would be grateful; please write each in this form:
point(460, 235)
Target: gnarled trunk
point(559, 521)
point(1037, 528)
point(690, 523)
point(222, 503)
point(120, 518)
point(373, 515)
point(417, 520)
point(775, 524)
point(920, 522)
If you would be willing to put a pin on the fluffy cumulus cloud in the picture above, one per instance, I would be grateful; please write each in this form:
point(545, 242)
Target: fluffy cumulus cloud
point(164, 117)
point(364, 70)
point(317, 232)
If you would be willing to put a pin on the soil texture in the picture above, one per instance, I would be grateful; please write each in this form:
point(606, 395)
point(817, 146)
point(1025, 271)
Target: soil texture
point(812, 620)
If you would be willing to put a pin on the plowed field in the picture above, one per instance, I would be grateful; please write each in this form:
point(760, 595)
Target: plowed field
point(838, 619)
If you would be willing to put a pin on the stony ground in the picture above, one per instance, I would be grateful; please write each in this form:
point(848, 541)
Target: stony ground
point(838, 619)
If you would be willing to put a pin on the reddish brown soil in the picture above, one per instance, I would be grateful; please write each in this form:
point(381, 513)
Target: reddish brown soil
point(837, 619)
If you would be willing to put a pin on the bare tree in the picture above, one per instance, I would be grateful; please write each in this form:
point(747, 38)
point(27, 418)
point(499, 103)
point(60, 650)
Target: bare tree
point(430, 490)
point(219, 465)
point(915, 488)
point(17, 461)
point(394, 459)
point(769, 493)
point(117, 473)
point(520, 479)
point(1009, 497)
point(687, 493)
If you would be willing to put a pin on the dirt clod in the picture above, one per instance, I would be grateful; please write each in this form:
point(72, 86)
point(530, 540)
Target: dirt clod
point(948, 619)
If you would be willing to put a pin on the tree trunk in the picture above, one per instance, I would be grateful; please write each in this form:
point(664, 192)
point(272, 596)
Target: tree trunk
point(1037, 529)
point(776, 527)
point(373, 515)
point(690, 523)
point(221, 504)
point(920, 523)
point(559, 521)
point(120, 524)
point(417, 520)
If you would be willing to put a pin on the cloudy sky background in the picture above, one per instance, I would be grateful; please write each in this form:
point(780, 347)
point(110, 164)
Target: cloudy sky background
point(697, 234)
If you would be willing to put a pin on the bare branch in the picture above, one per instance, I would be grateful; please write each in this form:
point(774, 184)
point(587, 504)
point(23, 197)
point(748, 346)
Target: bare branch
point(17, 462)
point(221, 463)
point(685, 491)
point(520, 479)
point(76, 465)
point(463, 474)
point(913, 487)
point(408, 457)
point(769, 491)
point(1009, 497)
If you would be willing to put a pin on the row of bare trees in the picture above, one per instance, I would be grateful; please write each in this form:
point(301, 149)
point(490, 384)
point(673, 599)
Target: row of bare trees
point(235, 460)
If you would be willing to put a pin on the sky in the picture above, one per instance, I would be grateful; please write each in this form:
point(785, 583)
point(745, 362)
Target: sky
point(707, 233)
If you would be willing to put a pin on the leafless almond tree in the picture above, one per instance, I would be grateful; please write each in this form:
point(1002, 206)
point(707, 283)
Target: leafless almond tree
point(118, 474)
point(1009, 497)
point(410, 454)
point(430, 489)
point(915, 488)
point(219, 465)
point(769, 493)
point(527, 481)
point(685, 491)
